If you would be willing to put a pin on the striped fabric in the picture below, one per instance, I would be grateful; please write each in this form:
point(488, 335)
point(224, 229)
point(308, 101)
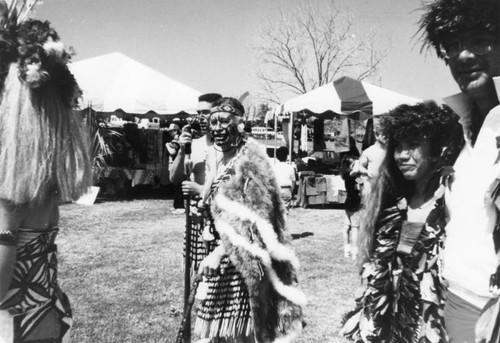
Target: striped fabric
point(225, 309)
point(198, 245)
point(347, 96)
point(35, 309)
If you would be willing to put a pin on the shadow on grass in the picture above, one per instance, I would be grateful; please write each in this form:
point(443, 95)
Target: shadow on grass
point(327, 206)
point(140, 192)
point(302, 235)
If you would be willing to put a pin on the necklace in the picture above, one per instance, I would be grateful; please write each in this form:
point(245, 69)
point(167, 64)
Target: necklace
point(224, 159)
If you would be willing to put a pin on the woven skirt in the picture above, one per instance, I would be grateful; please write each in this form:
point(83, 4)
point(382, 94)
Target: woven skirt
point(224, 307)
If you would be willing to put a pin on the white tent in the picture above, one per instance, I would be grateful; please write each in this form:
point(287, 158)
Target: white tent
point(347, 96)
point(115, 81)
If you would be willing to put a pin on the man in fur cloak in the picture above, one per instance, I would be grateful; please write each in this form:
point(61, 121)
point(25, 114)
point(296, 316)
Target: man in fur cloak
point(248, 214)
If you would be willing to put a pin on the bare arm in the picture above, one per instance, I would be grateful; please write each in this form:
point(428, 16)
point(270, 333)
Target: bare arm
point(9, 222)
point(361, 166)
point(191, 188)
point(177, 172)
point(363, 160)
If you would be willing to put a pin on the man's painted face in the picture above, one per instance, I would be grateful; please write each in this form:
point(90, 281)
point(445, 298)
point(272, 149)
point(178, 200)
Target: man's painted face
point(223, 128)
point(412, 159)
point(474, 59)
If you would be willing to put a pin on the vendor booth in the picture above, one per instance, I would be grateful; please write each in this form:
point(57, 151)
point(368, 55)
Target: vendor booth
point(338, 112)
point(137, 102)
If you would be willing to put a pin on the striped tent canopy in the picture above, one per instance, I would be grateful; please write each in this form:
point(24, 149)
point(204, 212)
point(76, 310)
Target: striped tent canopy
point(116, 82)
point(347, 96)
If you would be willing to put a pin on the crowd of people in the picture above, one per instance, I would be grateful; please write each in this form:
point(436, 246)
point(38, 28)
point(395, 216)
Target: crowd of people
point(422, 211)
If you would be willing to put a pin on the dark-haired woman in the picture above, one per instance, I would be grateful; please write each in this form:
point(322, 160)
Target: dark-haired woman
point(402, 230)
point(249, 290)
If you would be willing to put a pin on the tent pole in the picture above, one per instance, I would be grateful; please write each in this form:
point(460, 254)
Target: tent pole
point(89, 118)
point(266, 134)
point(290, 134)
point(275, 136)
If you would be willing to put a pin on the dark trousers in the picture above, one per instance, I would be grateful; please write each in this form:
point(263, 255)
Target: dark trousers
point(178, 196)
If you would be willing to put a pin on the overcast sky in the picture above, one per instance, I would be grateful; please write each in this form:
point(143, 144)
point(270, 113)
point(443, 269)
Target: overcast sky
point(207, 44)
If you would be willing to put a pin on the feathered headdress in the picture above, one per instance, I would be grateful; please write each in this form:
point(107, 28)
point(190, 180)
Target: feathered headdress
point(447, 18)
point(35, 46)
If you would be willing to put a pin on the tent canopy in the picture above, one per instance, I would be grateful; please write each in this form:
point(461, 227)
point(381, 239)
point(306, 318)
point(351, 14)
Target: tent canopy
point(115, 81)
point(347, 96)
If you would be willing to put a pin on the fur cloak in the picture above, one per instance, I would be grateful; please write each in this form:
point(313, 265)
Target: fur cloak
point(249, 216)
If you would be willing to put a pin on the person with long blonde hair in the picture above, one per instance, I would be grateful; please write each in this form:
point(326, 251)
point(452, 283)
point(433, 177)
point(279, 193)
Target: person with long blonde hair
point(44, 159)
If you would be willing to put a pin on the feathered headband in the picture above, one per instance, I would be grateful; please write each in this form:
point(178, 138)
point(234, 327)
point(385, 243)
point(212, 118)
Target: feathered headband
point(35, 46)
point(447, 18)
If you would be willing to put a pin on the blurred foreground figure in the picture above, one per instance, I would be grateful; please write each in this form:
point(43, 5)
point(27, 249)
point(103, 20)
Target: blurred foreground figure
point(466, 35)
point(402, 230)
point(249, 292)
point(43, 160)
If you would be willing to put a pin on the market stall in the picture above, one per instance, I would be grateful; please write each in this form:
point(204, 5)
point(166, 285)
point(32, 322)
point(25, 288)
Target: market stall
point(339, 112)
point(137, 102)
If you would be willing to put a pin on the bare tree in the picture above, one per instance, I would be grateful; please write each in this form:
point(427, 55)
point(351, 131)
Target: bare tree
point(310, 46)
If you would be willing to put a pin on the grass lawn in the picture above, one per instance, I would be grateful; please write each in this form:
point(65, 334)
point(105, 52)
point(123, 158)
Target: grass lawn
point(121, 266)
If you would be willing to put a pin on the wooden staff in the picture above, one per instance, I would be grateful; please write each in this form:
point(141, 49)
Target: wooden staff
point(184, 334)
point(186, 321)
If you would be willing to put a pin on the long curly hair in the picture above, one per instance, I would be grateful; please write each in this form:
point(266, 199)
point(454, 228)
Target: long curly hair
point(405, 123)
point(444, 19)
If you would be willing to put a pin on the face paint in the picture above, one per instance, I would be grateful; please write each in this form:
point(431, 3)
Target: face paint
point(223, 128)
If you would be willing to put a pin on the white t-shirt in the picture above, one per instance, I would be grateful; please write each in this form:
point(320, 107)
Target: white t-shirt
point(198, 156)
point(420, 214)
point(373, 156)
point(469, 254)
point(285, 173)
